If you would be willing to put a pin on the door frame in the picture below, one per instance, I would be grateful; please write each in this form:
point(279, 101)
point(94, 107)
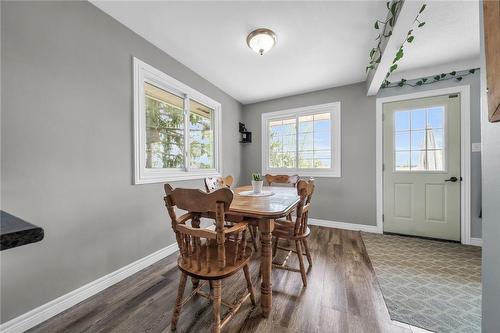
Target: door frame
point(465, 144)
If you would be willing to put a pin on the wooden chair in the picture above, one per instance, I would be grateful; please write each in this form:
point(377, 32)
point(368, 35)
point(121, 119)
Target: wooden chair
point(282, 179)
point(215, 183)
point(208, 255)
point(297, 231)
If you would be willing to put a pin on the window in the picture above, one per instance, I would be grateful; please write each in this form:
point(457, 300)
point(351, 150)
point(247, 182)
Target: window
point(176, 129)
point(419, 143)
point(304, 141)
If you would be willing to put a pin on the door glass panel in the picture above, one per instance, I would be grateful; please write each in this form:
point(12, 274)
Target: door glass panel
point(417, 119)
point(402, 161)
point(164, 128)
point(402, 141)
point(402, 120)
point(419, 139)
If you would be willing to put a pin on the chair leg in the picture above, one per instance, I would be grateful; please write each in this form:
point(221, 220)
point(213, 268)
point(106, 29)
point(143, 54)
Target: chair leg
point(253, 235)
point(298, 245)
point(275, 245)
point(308, 253)
point(217, 304)
point(249, 284)
point(178, 301)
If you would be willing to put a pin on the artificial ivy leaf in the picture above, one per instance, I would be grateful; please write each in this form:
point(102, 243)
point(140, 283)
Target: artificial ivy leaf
point(409, 32)
point(369, 67)
point(376, 24)
point(423, 8)
point(419, 83)
point(453, 73)
point(424, 79)
point(387, 4)
point(393, 8)
point(459, 78)
point(437, 77)
point(443, 75)
point(372, 52)
point(391, 22)
point(410, 39)
point(393, 67)
point(472, 71)
point(421, 24)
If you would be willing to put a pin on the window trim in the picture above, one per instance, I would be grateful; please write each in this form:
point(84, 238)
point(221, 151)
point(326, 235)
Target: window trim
point(147, 73)
point(336, 144)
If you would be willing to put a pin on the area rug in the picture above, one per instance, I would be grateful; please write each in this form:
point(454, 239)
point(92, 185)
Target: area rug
point(430, 284)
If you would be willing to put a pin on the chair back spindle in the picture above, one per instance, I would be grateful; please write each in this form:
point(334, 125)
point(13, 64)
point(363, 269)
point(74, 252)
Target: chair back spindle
point(305, 190)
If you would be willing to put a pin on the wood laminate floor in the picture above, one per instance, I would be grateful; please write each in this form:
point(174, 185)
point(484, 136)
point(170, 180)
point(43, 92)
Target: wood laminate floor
point(342, 296)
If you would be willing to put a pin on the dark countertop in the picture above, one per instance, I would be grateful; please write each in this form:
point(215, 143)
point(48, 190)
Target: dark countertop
point(16, 232)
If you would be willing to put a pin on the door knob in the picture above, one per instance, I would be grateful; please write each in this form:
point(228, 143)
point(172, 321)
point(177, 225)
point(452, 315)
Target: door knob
point(453, 179)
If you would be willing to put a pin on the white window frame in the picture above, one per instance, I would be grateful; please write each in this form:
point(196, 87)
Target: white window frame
point(142, 175)
point(336, 145)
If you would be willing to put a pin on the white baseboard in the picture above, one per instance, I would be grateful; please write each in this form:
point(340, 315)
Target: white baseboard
point(343, 225)
point(476, 241)
point(56, 306)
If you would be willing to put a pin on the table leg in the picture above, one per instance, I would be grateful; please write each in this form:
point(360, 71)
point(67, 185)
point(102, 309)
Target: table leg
point(266, 298)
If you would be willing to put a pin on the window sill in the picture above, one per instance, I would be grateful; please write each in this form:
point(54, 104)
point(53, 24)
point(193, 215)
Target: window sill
point(165, 177)
point(304, 173)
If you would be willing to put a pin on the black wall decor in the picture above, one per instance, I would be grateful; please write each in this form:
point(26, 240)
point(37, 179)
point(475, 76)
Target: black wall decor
point(246, 136)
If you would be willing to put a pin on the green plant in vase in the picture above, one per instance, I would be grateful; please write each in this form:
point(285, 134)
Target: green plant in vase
point(257, 182)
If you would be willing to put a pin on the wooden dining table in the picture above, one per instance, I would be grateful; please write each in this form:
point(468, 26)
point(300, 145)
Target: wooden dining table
point(262, 211)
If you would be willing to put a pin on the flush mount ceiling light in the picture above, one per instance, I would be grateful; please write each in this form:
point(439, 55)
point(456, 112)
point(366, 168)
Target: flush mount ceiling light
point(261, 40)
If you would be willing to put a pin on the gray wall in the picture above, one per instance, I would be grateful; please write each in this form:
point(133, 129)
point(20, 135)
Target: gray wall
point(66, 148)
point(491, 202)
point(475, 133)
point(352, 197)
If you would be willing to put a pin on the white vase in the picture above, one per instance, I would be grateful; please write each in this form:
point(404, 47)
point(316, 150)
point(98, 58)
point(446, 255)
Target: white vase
point(257, 186)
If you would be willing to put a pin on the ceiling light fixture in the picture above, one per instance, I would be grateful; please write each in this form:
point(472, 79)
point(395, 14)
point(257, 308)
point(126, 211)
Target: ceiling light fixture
point(261, 40)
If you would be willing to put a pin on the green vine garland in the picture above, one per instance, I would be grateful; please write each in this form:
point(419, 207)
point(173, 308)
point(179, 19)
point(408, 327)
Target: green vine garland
point(458, 76)
point(376, 53)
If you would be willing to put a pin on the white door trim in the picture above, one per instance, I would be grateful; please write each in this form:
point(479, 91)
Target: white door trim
point(465, 143)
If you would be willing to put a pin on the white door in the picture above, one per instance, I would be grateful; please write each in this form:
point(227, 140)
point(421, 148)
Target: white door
point(422, 167)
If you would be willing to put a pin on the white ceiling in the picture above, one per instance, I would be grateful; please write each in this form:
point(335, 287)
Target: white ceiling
point(448, 41)
point(320, 44)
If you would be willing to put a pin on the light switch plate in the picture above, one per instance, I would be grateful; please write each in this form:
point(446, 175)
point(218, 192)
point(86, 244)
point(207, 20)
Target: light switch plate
point(476, 146)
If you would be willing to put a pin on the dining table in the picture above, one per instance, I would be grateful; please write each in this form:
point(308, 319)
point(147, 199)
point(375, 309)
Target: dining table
point(275, 202)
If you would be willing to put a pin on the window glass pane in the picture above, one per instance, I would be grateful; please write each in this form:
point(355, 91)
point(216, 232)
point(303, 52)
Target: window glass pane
point(402, 159)
point(417, 119)
point(435, 160)
point(418, 160)
point(201, 136)
point(164, 128)
point(402, 140)
point(435, 139)
point(402, 120)
point(314, 144)
point(418, 140)
point(282, 143)
point(306, 141)
point(435, 117)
